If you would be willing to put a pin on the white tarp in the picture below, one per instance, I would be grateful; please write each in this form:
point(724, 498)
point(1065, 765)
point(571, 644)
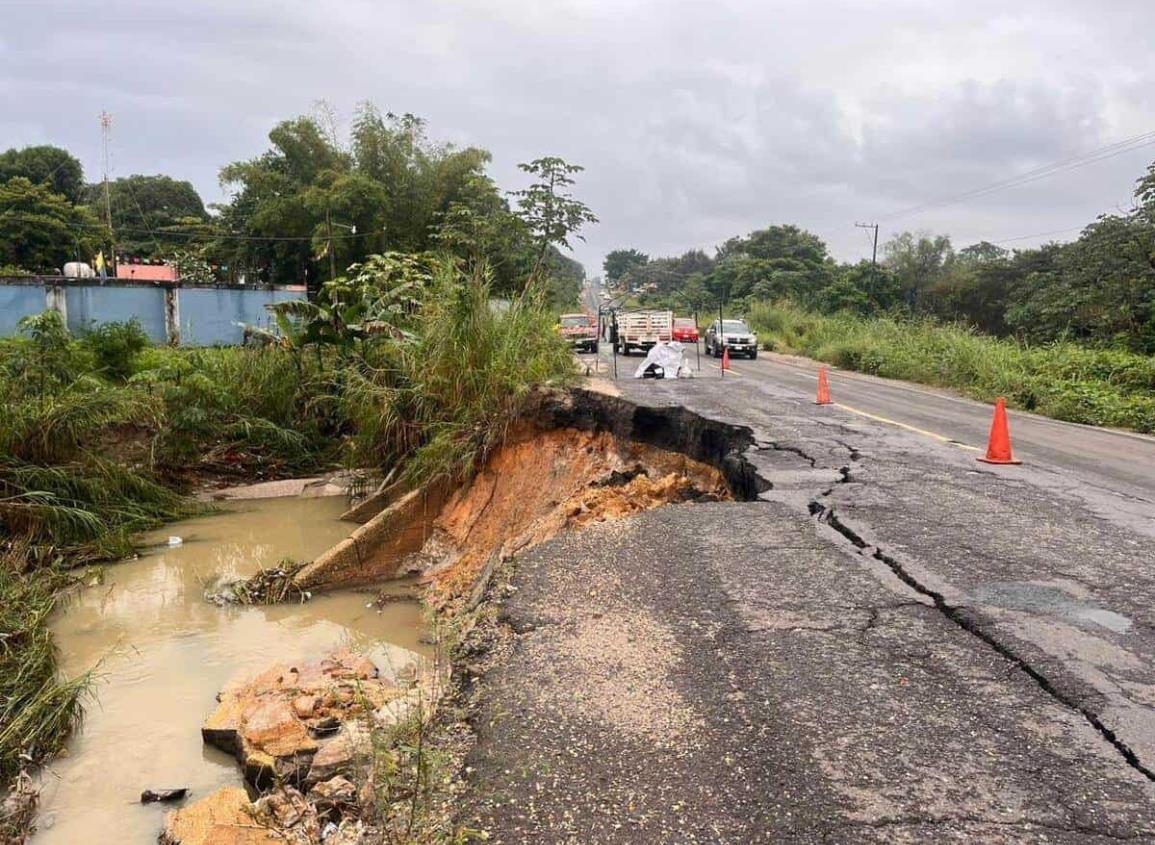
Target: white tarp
point(668, 356)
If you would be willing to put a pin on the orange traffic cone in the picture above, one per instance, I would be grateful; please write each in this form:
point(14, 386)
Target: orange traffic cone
point(823, 389)
point(725, 358)
point(999, 447)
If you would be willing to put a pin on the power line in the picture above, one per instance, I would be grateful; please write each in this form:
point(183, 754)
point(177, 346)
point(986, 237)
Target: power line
point(1037, 235)
point(211, 236)
point(1103, 153)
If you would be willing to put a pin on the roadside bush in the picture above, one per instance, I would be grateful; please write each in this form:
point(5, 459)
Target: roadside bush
point(1062, 380)
point(440, 401)
point(116, 346)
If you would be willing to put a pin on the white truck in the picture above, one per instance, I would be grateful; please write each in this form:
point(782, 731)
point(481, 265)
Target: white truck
point(643, 329)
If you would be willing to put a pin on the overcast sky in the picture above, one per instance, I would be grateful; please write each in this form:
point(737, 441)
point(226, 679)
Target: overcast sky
point(695, 120)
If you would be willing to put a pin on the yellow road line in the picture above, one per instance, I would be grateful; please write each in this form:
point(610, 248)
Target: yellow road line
point(922, 431)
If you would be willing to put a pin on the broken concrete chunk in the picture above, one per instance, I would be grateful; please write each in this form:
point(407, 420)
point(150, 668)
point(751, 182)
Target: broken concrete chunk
point(226, 817)
point(272, 722)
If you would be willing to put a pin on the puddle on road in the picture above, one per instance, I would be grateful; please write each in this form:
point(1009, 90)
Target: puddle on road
point(166, 653)
point(1038, 598)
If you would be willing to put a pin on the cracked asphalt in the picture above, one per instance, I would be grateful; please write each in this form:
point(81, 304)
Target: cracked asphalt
point(892, 644)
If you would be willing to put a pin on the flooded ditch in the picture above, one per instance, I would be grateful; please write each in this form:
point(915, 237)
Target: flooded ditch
point(164, 653)
point(296, 694)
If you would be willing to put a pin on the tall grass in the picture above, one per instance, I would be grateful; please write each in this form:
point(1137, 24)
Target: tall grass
point(1062, 380)
point(37, 708)
point(439, 403)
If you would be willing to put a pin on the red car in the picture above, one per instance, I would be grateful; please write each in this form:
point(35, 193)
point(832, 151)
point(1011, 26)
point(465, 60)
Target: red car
point(685, 330)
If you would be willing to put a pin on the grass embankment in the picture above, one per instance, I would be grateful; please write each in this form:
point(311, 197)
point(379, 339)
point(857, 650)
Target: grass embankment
point(102, 437)
point(1065, 381)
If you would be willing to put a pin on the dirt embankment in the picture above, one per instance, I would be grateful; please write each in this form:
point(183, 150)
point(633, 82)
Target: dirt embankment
point(575, 459)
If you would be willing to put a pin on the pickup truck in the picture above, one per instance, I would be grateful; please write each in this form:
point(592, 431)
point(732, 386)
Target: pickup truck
point(581, 330)
point(734, 335)
point(643, 329)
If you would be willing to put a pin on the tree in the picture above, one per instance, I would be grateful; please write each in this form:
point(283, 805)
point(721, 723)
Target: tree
point(479, 228)
point(53, 166)
point(304, 195)
point(771, 263)
point(40, 230)
point(143, 207)
point(564, 278)
point(1100, 288)
point(862, 288)
point(918, 262)
point(694, 296)
point(618, 262)
point(550, 213)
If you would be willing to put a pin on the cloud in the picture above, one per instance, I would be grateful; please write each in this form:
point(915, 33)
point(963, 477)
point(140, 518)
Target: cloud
point(695, 120)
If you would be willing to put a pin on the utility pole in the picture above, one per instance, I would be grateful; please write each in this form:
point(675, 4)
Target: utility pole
point(105, 138)
point(874, 251)
point(873, 257)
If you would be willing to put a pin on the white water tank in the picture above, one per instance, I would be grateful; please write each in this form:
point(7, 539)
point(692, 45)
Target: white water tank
point(78, 270)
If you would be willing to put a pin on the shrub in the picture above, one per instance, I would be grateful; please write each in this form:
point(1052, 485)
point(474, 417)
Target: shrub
point(116, 346)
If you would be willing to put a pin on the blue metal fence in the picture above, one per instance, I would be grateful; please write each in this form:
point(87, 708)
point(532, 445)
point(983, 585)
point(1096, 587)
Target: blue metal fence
point(192, 316)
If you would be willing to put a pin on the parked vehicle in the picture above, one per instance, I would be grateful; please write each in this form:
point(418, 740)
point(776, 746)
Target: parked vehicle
point(685, 330)
point(734, 335)
point(643, 329)
point(581, 330)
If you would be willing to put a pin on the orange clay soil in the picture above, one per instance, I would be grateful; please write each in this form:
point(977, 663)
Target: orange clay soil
point(541, 483)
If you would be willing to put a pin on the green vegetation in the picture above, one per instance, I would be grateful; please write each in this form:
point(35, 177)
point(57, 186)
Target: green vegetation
point(1098, 290)
point(1066, 330)
point(145, 209)
point(431, 319)
point(314, 203)
point(1062, 379)
point(41, 230)
point(406, 363)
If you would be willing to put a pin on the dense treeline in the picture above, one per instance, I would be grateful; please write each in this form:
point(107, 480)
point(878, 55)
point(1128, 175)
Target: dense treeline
point(1098, 289)
point(302, 211)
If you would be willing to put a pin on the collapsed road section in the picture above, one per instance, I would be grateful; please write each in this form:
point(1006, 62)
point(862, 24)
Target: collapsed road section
point(737, 671)
point(675, 629)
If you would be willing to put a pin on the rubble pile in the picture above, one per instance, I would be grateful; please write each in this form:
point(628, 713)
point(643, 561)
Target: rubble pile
point(303, 735)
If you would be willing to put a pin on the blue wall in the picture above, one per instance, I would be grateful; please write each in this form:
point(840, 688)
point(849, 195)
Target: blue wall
point(211, 317)
point(208, 316)
point(88, 306)
point(17, 302)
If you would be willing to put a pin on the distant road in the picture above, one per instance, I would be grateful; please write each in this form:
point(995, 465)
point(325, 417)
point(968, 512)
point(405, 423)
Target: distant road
point(1119, 461)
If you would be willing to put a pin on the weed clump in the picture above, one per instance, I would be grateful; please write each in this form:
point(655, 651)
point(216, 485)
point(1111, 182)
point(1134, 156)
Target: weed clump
point(1063, 380)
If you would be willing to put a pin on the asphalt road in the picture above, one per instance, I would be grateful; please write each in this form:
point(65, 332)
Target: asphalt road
point(893, 644)
point(1119, 462)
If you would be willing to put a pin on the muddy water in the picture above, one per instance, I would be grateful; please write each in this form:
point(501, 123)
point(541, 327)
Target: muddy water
point(164, 652)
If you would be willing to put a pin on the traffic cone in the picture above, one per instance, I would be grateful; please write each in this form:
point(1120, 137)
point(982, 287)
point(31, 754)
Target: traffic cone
point(725, 357)
point(999, 447)
point(823, 389)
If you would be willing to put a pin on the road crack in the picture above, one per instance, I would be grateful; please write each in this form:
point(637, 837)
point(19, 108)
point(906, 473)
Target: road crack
point(827, 515)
